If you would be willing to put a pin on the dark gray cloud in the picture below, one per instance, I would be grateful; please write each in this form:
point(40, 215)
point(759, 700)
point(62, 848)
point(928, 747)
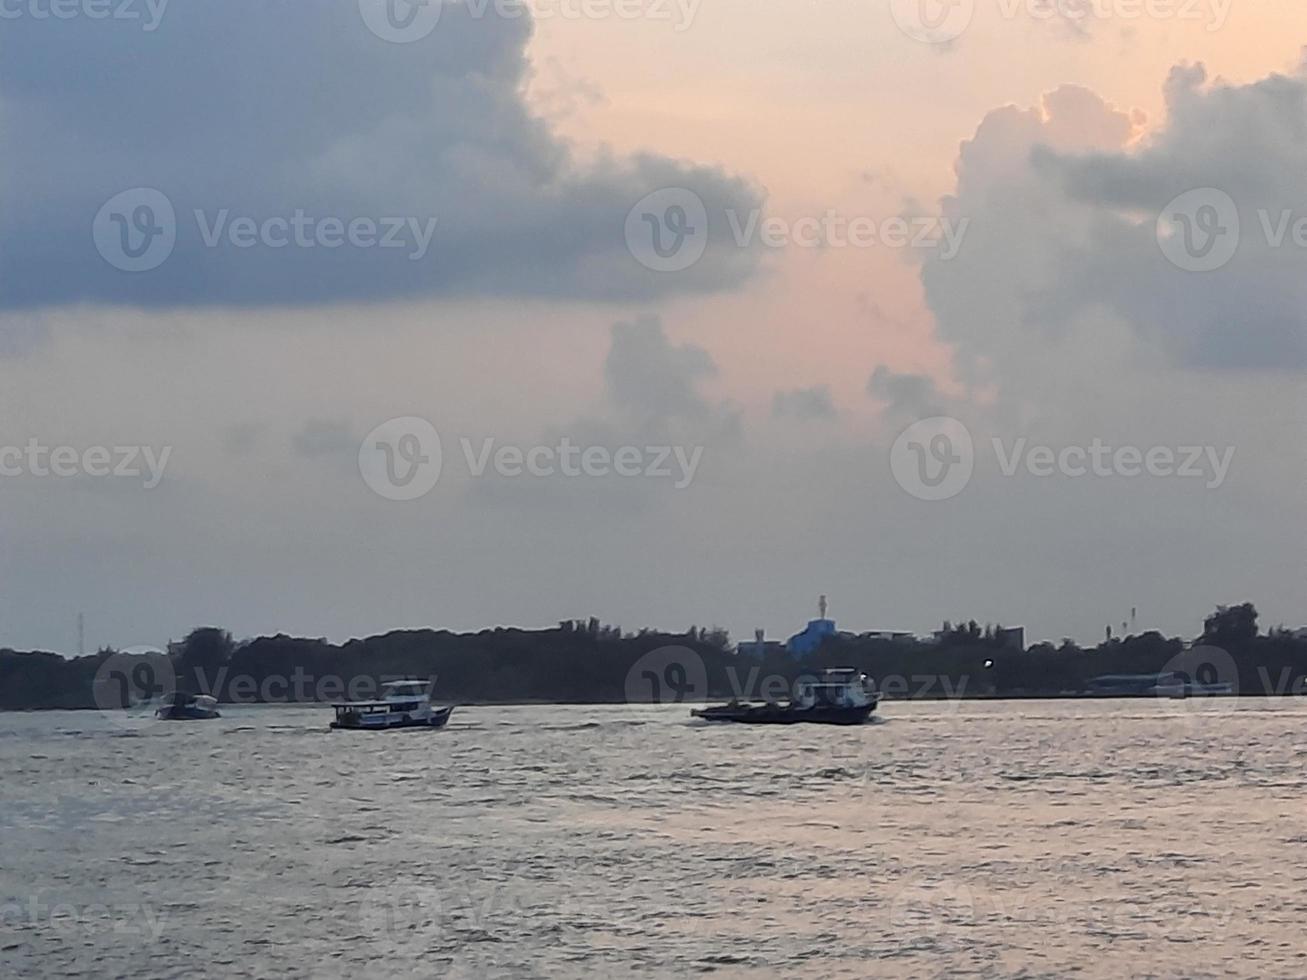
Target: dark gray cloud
point(805, 404)
point(653, 383)
point(250, 111)
point(654, 404)
point(1065, 206)
point(906, 396)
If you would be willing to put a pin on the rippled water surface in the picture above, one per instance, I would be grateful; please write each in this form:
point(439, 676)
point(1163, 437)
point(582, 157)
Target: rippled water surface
point(1098, 839)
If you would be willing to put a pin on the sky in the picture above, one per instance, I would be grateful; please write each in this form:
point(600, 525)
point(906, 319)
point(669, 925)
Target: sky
point(337, 318)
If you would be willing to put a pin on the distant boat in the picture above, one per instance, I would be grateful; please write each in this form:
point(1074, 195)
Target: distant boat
point(840, 696)
point(403, 704)
point(1166, 685)
point(1190, 689)
point(189, 707)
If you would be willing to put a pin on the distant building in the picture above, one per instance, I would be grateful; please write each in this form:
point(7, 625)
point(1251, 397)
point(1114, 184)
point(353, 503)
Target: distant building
point(803, 643)
point(1126, 684)
point(887, 635)
point(759, 646)
point(817, 631)
point(813, 635)
point(808, 640)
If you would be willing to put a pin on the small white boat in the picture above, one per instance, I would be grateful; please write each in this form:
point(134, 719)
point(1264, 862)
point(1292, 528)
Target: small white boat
point(188, 707)
point(403, 704)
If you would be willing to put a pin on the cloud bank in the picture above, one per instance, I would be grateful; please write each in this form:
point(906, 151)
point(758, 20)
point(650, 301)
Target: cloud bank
point(1064, 243)
point(325, 164)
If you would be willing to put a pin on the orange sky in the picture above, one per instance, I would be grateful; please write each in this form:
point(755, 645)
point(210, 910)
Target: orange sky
point(830, 105)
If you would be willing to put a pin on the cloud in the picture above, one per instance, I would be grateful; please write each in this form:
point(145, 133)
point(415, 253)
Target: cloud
point(906, 395)
point(653, 402)
point(1063, 245)
point(290, 122)
point(241, 438)
point(653, 384)
point(804, 404)
point(324, 437)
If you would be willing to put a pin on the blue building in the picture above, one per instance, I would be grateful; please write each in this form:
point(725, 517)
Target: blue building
point(803, 643)
point(808, 640)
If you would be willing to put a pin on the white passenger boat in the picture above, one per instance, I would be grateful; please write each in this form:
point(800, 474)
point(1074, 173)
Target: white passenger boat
point(403, 704)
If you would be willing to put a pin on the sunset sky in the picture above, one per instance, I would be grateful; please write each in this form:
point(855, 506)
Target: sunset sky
point(1050, 137)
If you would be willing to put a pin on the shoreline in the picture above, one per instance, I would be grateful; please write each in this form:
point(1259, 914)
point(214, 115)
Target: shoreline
point(546, 702)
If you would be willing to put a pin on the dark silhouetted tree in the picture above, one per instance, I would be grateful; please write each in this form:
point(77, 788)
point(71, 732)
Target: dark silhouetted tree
point(1230, 626)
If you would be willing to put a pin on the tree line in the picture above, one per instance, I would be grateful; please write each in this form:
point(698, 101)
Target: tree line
point(586, 661)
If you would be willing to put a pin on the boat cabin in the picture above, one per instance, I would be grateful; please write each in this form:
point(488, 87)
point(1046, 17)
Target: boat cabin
point(840, 687)
point(397, 697)
point(183, 700)
point(357, 709)
point(404, 690)
point(403, 704)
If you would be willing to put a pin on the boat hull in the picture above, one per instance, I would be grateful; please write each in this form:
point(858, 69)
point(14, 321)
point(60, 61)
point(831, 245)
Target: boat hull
point(775, 714)
point(186, 714)
point(386, 723)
